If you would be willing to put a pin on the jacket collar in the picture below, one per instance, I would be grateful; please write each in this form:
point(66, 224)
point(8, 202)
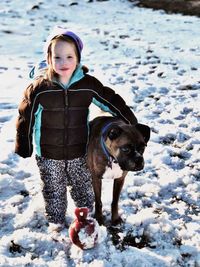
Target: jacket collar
point(77, 75)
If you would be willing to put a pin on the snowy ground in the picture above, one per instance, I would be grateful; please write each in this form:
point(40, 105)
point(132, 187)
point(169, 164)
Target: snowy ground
point(152, 60)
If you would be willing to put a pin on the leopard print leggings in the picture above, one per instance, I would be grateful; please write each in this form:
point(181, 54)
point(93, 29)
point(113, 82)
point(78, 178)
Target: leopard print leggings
point(56, 175)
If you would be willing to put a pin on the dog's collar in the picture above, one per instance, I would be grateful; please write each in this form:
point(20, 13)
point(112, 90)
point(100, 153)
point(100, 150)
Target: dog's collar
point(109, 157)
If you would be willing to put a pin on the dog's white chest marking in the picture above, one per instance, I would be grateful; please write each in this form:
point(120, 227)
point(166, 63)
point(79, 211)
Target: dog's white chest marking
point(112, 172)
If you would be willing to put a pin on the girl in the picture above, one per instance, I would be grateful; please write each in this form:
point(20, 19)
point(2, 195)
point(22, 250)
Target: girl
point(54, 111)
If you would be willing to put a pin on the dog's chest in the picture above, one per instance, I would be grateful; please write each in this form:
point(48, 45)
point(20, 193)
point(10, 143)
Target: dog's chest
point(112, 172)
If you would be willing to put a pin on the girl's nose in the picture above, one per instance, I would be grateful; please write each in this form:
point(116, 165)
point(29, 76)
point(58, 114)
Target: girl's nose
point(64, 61)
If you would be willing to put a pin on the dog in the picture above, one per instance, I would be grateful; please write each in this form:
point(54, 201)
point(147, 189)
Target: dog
point(114, 149)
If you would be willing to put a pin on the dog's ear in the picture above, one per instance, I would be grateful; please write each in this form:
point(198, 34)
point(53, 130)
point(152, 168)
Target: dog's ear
point(144, 130)
point(114, 133)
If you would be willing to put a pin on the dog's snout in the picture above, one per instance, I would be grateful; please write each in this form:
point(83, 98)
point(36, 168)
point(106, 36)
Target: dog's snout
point(138, 162)
point(138, 158)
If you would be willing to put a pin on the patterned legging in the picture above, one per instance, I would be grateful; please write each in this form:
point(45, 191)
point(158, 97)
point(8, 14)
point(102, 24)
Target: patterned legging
point(56, 175)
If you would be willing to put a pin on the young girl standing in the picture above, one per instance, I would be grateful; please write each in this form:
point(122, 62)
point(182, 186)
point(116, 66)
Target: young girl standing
point(54, 112)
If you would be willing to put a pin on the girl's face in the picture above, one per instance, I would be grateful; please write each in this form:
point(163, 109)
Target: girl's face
point(63, 59)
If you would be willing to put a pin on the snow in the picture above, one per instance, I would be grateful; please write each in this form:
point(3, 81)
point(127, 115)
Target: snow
point(152, 59)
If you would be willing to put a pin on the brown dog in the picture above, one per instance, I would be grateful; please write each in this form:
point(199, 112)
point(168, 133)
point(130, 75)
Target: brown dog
point(114, 149)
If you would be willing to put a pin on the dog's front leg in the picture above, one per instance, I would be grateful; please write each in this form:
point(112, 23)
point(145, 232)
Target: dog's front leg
point(97, 185)
point(117, 187)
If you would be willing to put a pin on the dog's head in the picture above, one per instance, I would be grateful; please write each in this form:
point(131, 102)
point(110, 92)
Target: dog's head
point(126, 144)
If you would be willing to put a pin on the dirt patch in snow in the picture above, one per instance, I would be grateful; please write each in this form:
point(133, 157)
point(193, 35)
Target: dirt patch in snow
point(185, 7)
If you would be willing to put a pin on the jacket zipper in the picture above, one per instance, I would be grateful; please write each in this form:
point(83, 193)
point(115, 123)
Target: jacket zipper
point(66, 123)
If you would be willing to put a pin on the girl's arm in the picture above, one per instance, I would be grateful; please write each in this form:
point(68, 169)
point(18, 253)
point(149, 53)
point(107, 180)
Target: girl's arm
point(24, 124)
point(109, 101)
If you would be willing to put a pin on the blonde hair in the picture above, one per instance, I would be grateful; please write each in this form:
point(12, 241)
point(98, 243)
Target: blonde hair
point(50, 73)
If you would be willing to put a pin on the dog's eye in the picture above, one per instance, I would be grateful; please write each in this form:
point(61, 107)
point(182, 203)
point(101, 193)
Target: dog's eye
point(126, 149)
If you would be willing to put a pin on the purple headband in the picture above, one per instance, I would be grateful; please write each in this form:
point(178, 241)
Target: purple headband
point(61, 31)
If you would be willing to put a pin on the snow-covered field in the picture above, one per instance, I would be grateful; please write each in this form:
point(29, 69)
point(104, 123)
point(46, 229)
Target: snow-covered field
point(153, 60)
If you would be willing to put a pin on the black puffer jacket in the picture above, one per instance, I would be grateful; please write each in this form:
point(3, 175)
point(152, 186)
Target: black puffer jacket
point(58, 117)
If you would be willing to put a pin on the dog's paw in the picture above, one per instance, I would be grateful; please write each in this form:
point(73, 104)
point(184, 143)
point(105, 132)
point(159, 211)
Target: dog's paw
point(100, 219)
point(116, 221)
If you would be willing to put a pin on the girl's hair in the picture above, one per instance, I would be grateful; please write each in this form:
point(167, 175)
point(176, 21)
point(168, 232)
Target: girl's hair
point(50, 74)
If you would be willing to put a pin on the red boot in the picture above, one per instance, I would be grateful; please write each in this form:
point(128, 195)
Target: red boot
point(83, 232)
